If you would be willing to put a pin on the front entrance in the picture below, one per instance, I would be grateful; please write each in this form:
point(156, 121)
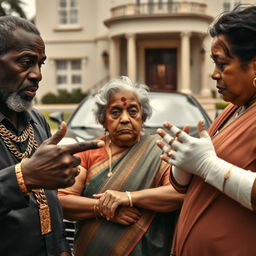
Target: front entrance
point(161, 69)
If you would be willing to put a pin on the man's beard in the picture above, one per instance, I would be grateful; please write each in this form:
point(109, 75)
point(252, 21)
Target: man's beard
point(17, 104)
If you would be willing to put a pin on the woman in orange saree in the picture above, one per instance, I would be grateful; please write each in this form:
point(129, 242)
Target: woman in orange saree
point(122, 198)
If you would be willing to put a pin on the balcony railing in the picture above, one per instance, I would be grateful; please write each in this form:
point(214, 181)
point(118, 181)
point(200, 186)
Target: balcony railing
point(158, 9)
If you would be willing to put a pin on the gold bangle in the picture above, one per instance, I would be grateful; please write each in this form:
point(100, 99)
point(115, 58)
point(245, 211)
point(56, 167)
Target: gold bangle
point(21, 181)
point(130, 198)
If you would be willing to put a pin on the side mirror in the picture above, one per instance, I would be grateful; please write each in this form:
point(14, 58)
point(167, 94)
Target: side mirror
point(57, 117)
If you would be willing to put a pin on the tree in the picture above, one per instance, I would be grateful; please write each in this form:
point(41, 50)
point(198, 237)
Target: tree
point(10, 7)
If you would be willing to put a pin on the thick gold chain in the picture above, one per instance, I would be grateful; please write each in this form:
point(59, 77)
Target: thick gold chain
point(40, 196)
point(8, 138)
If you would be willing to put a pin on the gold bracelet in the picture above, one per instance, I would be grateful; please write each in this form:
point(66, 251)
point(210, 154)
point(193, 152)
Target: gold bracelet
point(20, 180)
point(130, 198)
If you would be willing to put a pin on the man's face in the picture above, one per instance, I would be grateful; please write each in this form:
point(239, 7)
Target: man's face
point(20, 70)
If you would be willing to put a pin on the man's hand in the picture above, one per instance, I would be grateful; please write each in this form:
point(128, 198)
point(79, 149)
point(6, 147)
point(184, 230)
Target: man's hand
point(53, 166)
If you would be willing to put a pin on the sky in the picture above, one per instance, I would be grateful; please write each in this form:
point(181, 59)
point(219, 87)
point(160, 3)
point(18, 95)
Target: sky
point(29, 8)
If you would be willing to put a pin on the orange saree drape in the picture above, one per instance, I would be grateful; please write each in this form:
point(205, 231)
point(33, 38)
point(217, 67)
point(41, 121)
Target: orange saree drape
point(137, 168)
point(211, 223)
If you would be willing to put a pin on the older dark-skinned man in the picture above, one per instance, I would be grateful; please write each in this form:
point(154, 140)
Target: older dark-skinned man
point(32, 165)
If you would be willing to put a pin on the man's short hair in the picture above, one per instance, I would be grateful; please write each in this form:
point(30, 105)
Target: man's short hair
point(10, 23)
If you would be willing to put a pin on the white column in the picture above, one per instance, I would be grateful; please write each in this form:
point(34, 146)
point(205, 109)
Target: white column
point(185, 62)
point(114, 58)
point(205, 90)
point(131, 56)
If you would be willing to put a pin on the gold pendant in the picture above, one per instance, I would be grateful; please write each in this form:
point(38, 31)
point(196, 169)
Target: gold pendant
point(110, 174)
point(45, 220)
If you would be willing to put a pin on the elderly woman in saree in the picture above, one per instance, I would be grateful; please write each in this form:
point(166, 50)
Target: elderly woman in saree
point(122, 199)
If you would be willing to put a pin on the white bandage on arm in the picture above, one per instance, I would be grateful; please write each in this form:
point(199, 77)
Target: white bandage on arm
point(239, 186)
point(233, 181)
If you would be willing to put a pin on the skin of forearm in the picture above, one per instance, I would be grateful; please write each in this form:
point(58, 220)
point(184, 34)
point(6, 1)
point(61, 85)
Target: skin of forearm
point(77, 207)
point(161, 199)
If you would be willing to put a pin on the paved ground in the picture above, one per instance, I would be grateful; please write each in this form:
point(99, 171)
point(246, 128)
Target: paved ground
point(56, 107)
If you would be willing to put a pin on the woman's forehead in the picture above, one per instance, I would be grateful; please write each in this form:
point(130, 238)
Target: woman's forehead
point(123, 96)
point(220, 45)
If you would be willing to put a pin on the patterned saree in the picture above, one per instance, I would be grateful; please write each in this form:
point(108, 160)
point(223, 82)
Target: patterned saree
point(137, 168)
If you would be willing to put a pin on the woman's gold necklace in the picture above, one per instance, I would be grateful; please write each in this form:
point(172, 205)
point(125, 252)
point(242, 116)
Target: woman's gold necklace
point(109, 159)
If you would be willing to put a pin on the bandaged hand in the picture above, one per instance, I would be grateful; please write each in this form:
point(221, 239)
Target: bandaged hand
point(197, 156)
point(180, 176)
point(193, 155)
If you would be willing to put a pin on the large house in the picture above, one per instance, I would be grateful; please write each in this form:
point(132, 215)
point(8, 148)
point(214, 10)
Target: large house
point(162, 43)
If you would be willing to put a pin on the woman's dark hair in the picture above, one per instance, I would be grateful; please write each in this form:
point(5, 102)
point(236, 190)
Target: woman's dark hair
point(239, 28)
point(10, 23)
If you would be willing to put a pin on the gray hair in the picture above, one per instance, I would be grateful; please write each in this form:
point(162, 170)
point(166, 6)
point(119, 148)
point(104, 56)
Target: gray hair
point(7, 25)
point(116, 85)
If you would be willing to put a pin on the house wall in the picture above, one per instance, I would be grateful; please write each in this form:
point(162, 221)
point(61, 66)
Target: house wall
point(88, 39)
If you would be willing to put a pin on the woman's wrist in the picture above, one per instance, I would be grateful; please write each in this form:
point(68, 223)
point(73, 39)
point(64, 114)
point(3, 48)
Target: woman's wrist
point(96, 209)
point(129, 195)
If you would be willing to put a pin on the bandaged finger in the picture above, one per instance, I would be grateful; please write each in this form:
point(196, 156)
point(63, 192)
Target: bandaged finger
point(166, 148)
point(175, 131)
point(168, 138)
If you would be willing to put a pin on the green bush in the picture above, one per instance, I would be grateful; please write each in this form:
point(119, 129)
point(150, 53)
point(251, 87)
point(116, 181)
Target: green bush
point(64, 97)
point(221, 104)
point(77, 95)
point(49, 98)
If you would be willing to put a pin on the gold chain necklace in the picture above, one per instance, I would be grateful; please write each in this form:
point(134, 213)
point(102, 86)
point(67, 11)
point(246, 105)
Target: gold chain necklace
point(8, 138)
point(110, 173)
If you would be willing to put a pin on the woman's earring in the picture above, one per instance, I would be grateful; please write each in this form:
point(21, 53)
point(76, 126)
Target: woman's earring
point(106, 132)
point(254, 82)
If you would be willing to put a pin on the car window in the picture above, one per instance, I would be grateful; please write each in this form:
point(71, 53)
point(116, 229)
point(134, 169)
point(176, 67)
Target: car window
point(174, 108)
point(84, 117)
